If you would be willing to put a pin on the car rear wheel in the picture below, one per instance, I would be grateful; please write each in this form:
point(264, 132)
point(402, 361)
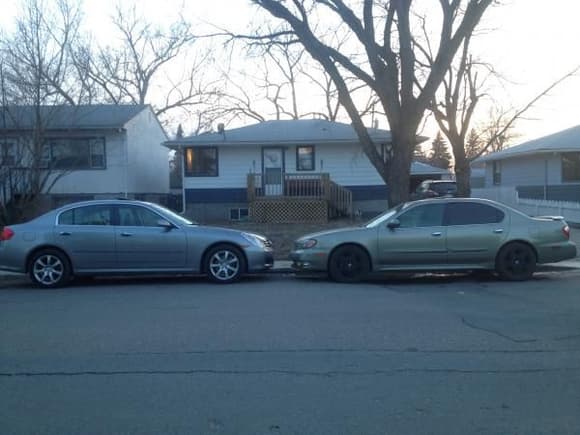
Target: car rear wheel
point(49, 268)
point(516, 262)
point(224, 264)
point(348, 264)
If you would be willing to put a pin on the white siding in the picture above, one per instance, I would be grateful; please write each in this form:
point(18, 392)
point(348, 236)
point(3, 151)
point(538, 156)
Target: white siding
point(109, 180)
point(527, 171)
point(148, 160)
point(346, 164)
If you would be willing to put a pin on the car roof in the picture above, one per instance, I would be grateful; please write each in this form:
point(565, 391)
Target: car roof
point(119, 201)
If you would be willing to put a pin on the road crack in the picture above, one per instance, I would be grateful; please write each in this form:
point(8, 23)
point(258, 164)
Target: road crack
point(498, 333)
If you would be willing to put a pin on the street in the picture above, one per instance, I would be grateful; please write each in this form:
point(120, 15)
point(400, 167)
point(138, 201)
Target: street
point(278, 355)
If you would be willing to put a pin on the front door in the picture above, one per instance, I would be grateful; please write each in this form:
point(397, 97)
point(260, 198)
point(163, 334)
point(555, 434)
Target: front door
point(419, 241)
point(273, 164)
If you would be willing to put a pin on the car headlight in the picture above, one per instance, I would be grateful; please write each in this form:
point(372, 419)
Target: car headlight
point(257, 240)
point(306, 243)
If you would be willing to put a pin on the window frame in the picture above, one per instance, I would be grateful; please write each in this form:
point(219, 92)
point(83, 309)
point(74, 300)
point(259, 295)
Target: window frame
point(47, 159)
point(299, 168)
point(496, 172)
point(6, 144)
point(191, 174)
point(576, 170)
point(74, 209)
point(449, 205)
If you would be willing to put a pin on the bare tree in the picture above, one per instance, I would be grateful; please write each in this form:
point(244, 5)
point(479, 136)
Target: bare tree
point(152, 65)
point(454, 107)
point(386, 59)
point(35, 73)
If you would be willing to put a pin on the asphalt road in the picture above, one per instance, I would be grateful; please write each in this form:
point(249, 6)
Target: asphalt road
point(276, 355)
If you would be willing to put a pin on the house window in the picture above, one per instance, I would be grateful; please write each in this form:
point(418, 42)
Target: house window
point(496, 173)
point(238, 214)
point(77, 153)
point(7, 153)
point(305, 158)
point(571, 167)
point(201, 162)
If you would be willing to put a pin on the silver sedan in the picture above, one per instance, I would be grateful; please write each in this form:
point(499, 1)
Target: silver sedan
point(127, 237)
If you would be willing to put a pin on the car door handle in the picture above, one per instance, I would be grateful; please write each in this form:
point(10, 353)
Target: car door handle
point(64, 233)
point(126, 234)
point(436, 234)
point(498, 231)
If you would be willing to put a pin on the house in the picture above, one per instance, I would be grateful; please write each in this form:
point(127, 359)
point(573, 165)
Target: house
point(88, 151)
point(544, 168)
point(285, 170)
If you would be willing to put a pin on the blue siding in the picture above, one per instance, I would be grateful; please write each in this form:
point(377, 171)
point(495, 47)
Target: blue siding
point(368, 193)
point(215, 195)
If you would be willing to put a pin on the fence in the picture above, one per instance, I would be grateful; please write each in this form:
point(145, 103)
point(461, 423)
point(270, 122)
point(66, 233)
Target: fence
point(533, 207)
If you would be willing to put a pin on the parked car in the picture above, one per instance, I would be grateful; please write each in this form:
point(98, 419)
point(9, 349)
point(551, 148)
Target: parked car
point(435, 189)
point(450, 234)
point(127, 237)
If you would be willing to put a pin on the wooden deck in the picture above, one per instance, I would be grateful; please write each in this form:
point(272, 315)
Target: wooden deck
point(297, 198)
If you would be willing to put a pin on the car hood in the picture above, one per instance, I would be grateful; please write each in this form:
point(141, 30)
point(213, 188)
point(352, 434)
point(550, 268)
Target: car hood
point(345, 231)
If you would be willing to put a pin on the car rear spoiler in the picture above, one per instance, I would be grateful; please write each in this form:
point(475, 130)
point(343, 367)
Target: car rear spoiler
point(551, 218)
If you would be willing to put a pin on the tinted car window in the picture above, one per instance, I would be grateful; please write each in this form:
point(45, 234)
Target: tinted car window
point(444, 188)
point(89, 215)
point(135, 216)
point(428, 215)
point(470, 213)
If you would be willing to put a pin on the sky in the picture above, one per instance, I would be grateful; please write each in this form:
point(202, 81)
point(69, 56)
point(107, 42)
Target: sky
point(530, 42)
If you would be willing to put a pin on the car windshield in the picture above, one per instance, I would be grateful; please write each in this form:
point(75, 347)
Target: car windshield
point(377, 220)
point(172, 215)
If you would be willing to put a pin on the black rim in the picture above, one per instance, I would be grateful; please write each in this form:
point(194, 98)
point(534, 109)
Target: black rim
point(518, 261)
point(350, 264)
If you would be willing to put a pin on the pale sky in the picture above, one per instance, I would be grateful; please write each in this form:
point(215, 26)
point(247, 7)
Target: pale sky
point(531, 42)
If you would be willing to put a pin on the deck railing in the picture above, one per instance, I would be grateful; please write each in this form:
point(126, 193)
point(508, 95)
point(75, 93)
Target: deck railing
point(313, 186)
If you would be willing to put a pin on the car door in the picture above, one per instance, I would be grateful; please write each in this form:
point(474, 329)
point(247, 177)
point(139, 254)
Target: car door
point(419, 240)
point(87, 235)
point(142, 244)
point(475, 232)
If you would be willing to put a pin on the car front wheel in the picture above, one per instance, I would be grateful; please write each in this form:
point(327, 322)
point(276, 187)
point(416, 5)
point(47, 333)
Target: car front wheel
point(348, 264)
point(516, 262)
point(224, 264)
point(49, 268)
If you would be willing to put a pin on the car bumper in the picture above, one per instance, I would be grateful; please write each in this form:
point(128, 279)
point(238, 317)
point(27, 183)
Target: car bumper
point(259, 260)
point(557, 252)
point(309, 260)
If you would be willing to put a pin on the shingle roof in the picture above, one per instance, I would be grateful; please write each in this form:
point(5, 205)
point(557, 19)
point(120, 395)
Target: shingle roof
point(102, 116)
point(295, 131)
point(563, 141)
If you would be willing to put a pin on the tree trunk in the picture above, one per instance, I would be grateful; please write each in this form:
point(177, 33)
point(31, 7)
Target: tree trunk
point(462, 171)
point(399, 176)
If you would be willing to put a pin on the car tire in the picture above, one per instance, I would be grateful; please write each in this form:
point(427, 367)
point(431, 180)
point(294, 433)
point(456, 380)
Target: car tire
point(516, 262)
point(348, 263)
point(49, 268)
point(224, 264)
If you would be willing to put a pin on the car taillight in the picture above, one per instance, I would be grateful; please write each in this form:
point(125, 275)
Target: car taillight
point(6, 234)
point(566, 231)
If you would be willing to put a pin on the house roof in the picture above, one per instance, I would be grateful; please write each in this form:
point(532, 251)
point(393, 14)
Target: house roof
point(563, 141)
point(419, 168)
point(61, 117)
point(292, 132)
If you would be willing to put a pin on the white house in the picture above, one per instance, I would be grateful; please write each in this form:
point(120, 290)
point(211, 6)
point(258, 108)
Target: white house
point(544, 168)
point(93, 151)
point(294, 165)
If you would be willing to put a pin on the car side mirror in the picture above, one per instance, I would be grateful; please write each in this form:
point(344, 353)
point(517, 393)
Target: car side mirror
point(395, 223)
point(165, 224)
